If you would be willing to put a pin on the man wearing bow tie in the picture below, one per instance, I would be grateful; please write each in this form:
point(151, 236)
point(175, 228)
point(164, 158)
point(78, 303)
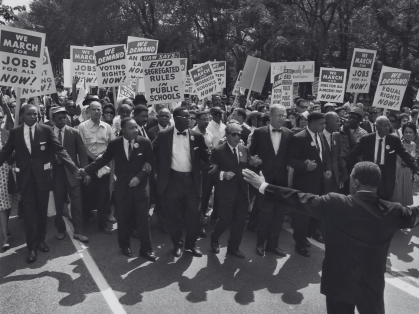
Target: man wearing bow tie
point(271, 144)
point(179, 151)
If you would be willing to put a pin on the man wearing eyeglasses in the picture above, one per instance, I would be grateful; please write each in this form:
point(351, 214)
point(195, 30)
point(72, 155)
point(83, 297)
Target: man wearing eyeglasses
point(369, 125)
point(301, 105)
point(70, 107)
point(179, 152)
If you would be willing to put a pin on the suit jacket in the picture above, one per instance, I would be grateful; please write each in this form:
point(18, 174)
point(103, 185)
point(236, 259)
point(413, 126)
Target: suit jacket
point(73, 124)
point(274, 167)
point(126, 169)
point(75, 148)
point(39, 161)
point(337, 163)
point(224, 158)
point(358, 230)
point(151, 122)
point(366, 126)
point(300, 150)
point(152, 133)
point(162, 146)
point(245, 134)
point(393, 147)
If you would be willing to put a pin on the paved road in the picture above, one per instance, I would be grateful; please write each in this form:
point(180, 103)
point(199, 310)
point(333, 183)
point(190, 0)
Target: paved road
point(97, 278)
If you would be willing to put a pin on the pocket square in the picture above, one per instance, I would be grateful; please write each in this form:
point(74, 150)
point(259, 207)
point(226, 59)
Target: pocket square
point(393, 151)
point(140, 154)
point(42, 143)
point(195, 148)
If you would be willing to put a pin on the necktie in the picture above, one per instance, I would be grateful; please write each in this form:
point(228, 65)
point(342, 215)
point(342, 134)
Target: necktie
point(373, 127)
point(129, 149)
point(143, 131)
point(181, 133)
point(60, 139)
point(380, 147)
point(31, 138)
point(317, 143)
point(235, 154)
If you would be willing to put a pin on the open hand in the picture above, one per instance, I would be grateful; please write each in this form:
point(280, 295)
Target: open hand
point(253, 178)
point(328, 175)
point(134, 182)
point(87, 179)
point(255, 161)
point(147, 167)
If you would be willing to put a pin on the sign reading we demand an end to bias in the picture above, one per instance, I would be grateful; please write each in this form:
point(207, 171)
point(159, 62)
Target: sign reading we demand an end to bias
point(111, 65)
point(163, 78)
point(391, 88)
point(204, 79)
point(331, 85)
point(21, 57)
point(83, 64)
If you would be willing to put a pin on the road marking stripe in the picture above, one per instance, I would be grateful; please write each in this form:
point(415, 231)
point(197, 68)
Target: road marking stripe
point(94, 271)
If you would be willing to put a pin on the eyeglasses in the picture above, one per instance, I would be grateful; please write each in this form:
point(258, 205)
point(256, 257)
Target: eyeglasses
point(193, 118)
point(235, 134)
point(184, 118)
point(108, 112)
point(304, 107)
point(206, 119)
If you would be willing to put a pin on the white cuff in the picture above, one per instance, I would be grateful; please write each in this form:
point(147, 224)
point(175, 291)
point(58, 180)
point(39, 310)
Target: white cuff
point(263, 187)
point(221, 175)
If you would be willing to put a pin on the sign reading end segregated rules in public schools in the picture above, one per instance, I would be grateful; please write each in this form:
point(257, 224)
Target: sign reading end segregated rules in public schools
point(111, 65)
point(83, 64)
point(21, 57)
point(163, 78)
point(331, 85)
point(361, 71)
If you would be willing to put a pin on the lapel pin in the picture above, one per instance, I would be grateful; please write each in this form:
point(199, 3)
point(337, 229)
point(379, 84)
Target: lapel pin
point(387, 146)
point(240, 153)
point(192, 138)
point(136, 145)
point(42, 147)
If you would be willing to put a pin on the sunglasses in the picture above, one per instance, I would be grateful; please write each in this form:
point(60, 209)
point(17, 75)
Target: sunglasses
point(108, 112)
point(235, 134)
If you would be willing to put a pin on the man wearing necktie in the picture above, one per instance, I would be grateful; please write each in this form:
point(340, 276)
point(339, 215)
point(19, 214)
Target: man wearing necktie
point(64, 181)
point(34, 145)
point(271, 145)
point(179, 152)
point(141, 117)
point(130, 153)
point(382, 148)
point(70, 107)
point(307, 156)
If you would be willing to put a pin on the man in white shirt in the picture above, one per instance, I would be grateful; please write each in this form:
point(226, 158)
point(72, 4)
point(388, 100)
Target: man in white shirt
point(216, 126)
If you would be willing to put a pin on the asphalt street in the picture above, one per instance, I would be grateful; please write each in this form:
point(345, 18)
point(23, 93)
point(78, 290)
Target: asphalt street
point(97, 278)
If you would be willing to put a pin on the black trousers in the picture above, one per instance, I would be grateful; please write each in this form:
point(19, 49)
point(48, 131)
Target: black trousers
point(181, 208)
point(62, 187)
point(365, 305)
point(96, 196)
point(271, 218)
point(232, 211)
point(208, 182)
point(304, 227)
point(127, 208)
point(35, 209)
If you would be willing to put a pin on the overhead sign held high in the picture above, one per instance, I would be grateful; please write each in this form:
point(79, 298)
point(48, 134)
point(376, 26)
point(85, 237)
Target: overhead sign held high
point(331, 85)
point(111, 65)
point(361, 71)
point(204, 80)
point(254, 74)
point(82, 64)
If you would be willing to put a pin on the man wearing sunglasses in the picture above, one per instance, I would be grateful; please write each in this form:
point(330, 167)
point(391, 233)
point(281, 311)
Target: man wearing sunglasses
point(70, 107)
point(301, 105)
point(369, 125)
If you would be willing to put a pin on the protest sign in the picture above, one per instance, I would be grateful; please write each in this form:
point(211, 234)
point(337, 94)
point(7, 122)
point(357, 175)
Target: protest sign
point(236, 90)
point(163, 78)
point(126, 92)
point(21, 57)
point(254, 74)
point(47, 80)
point(391, 88)
point(315, 86)
point(295, 89)
point(303, 71)
point(83, 65)
point(331, 85)
point(183, 67)
point(219, 68)
point(189, 86)
point(361, 71)
point(111, 65)
point(276, 89)
point(138, 47)
point(204, 80)
point(287, 88)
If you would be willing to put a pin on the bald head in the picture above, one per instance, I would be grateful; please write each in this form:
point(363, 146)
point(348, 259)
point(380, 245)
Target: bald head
point(332, 121)
point(382, 124)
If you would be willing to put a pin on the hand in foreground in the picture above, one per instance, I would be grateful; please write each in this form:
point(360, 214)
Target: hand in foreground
point(80, 173)
point(134, 182)
point(255, 161)
point(87, 179)
point(228, 175)
point(253, 178)
point(328, 175)
point(147, 167)
point(311, 165)
point(76, 79)
point(214, 168)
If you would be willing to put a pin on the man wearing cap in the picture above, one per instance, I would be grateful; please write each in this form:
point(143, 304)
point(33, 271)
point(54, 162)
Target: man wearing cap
point(329, 107)
point(66, 182)
point(351, 132)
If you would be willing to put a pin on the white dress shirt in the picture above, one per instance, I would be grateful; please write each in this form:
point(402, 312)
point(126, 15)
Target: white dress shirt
point(313, 137)
point(238, 158)
point(218, 132)
point(207, 136)
point(181, 154)
point(383, 147)
point(276, 138)
point(162, 128)
point(26, 135)
point(126, 144)
point(372, 125)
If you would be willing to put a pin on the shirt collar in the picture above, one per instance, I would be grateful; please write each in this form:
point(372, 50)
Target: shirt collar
point(271, 128)
point(231, 147)
point(311, 133)
point(326, 133)
point(33, 126)
point(126, 142)
point(176, 131)
point(56, 128)
point(91, 123)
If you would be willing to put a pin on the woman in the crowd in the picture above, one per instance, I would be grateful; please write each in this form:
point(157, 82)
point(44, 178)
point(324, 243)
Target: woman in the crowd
point(252, 120)
point(402, 119)
point(292, 116)
point(403, 191)
point(301, 121)
point(108, 113)
point(392, 117)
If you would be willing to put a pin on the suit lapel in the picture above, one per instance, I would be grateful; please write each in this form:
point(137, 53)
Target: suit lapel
point(191, 141)
point(271, 145)
point(121, 144)
point(66, 134)
point(170, 139)
point(22, 136)
point(37, 134)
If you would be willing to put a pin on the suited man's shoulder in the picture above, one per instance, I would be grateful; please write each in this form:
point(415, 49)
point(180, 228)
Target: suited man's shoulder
point(287, 131)
point(393, 137)
point(166, 131)
point(300, 135)
point(141, 139)
point(196, 133)
point(154, 130)
point(220, 147)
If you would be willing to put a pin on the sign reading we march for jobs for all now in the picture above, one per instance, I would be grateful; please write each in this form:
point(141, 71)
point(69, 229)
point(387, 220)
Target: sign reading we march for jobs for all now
point(163, 78)
point(21, 57)
point(204, 79)
point(331, 85)
point(111, 65)
point(361, 71)
point(83, 64)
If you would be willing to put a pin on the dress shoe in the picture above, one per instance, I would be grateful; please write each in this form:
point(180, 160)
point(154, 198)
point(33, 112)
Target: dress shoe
point(148, 255)
point(260, 251)
point(31, 257)
point(5, 246)
point(318, 237)
point(302, 251)
point(177, 252)
point(215, 247)
point(80, 237)
point(106, 230)
point(43, 247)
point(60, 236)
point(236, 253)
point(202, 233)
point(277, 251)
point(307, 243)
point(127, 252)
point(195, 252)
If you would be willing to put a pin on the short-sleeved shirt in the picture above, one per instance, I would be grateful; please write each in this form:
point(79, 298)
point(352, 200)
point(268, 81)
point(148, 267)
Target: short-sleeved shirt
point(96, 137)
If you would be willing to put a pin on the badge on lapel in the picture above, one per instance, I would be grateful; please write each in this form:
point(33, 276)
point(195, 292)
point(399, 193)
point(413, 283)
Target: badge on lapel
point(136, 145)
point(42, 147)
point(240, 153)
point(192, 137)
point(387, 146)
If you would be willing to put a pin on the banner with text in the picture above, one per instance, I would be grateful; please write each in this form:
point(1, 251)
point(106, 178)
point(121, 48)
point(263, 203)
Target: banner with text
point(361, 71)
point(111, 65)
point(83, 65)
point(21, 57)
point(287, 88)
point(220, 73)
point(331, 85)
point(47, 80)
point(204, 80)
point(276, 89)
point(303, 71)
point(391, 87)
point(189, 86)
point(163, 78)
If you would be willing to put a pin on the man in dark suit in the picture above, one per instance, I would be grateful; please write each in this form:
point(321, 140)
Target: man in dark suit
point(32, 143)
point(271, 145)
point(130, 153)
point(178, 152)
point(240, 115)
point(370, 125)
point(163, 118)
point(382, 148)
point(232, 191)
point(66, 182)
point(358, 231)
point(307, 156)
point(70, 107)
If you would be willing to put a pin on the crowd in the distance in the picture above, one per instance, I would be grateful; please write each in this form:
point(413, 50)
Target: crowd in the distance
point(185, 160)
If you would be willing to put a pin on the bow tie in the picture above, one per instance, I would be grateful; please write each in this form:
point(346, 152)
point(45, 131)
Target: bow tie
point(181, 133)
point(277, 130)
